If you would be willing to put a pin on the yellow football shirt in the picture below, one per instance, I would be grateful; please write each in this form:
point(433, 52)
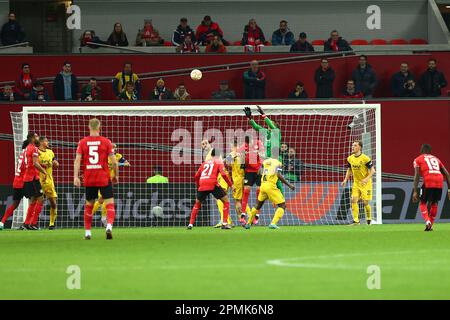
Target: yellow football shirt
point(119, 157)
point(360, 166)
point(236, 171)
point(271, 167)
point(46, 158)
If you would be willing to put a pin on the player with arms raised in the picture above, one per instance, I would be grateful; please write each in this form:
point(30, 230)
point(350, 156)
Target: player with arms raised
point(48, 161)
point(206, 181)
point(433, 171)
point(94, 151)
point(269, 190)
point(360, 166)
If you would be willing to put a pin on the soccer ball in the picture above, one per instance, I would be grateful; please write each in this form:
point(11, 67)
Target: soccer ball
point(157, 212)
point(196, 74)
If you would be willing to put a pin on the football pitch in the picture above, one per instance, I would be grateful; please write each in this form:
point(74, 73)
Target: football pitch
point(303, 262)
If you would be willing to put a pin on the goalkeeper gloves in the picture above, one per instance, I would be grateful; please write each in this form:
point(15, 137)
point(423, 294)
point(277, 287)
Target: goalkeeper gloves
point(248, 112)
point(260, 110)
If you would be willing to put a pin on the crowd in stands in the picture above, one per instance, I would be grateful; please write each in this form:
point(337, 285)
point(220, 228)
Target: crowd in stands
point(127, 86)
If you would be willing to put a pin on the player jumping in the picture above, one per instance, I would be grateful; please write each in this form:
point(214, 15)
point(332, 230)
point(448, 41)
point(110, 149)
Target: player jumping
point(122, 162)
point(206, 181)
point(94, 151)
point(432, 170)
point(32, 185)
point(48, 161)
point(269, 190)
point(362, 169)
point(17, 185)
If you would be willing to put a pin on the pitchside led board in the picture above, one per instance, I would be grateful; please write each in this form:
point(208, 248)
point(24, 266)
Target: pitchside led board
point(170, 138)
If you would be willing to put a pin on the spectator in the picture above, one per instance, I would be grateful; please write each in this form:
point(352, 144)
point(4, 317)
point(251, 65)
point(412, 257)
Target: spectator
point(89, 36)
point(24, 84)
point(161, 92)
point(284, 149)
point(253, 38)
point(292, 166)
point(432, 81)
point(181, 93)
point(148, 36)
point(411, 90)
point(216, 46)
point(224, 92)
point(336, 43)
point(400, 78)
point(302, 45)
point(126, 75)
point(283, 36)
point(157, 176)
point(12, 32)
point(350, 91)
point(299, 92)
point(207, 30)
point(188, 46)
point(364, 77)
point(65, 85)
point(324, 79)
point(254, 82)
point(117, 37)
point(39, 93)
point(91, 91)
point(181, 31)
point(129, 94)
point(8, 94)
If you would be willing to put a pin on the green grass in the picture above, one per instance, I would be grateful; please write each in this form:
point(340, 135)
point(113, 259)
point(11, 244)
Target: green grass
point(329, 262)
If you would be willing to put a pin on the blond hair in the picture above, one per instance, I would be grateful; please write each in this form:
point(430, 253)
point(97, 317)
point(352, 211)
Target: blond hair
point(94, 124)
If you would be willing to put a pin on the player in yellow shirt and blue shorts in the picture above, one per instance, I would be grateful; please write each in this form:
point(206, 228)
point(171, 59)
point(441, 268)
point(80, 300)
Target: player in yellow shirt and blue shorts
point(269, 190)
point(360, 166)
point(48, 161)
point(122, 162)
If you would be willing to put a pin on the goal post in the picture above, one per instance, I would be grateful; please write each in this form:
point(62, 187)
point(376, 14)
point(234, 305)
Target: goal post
point(165, 141)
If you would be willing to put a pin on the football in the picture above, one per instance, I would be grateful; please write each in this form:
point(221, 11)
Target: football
point(196, 74)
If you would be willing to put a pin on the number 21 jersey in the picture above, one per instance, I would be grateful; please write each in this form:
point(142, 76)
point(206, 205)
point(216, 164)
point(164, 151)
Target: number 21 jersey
point(94, 151)
point(430, 169)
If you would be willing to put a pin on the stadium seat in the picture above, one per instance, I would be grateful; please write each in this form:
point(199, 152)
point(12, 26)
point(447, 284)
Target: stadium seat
point(318, 42)
point(398, 41)
point(418, 41)
point(237, 43)
point(377, 42)
point(359, 42)
point(167, 44)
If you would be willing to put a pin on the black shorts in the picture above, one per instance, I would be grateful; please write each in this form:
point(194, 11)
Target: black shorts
point(32, 189)
point(106, 192)
point(18, 194)
point(251, 178)
point(218, 193)
point(430, 194)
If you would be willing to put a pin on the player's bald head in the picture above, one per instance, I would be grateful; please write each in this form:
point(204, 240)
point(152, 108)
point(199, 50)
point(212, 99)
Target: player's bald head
point(425, 148)
point(94, 124)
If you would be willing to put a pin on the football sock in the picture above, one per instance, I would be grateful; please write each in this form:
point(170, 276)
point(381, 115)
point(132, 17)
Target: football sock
point(110, 214)
point(433, 212)
point(355, 212)
point(226, 212)
point(278, 215)
point(424, 210)
point(368, 210)
point(245, 196)
point(194, 213)
point(253, 213)
point(37, 211)
point(88, 216)
point(30, 212)
point(53, 214)
point(8, 213)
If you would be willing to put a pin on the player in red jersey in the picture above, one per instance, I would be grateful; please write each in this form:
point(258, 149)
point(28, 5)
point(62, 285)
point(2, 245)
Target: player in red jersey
point(32, 185)
point(433, 171)
point(254, 154)
point(17, 185)
point(206, 181)
point(94, 151)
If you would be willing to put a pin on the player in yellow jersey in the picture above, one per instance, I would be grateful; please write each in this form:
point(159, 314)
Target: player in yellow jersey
point(269, 190)
point(48, 161)
point(122, 162)
point(206, 153)
point(360, 166)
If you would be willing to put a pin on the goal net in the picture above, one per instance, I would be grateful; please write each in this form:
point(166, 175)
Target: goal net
point(165, 141)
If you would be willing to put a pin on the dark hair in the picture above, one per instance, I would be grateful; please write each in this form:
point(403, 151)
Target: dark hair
point(67, 62)
point(324, 59)
point(129, 83)
point(287, 144)
point(247, 139)
point(351, 80)
point(425, 148)
point(127, 62)
point(213, 152)
point(283, 21)
point(30, 135)
point(359, 142)
point(25, 64)
point(93, 78)
point(432, 59)
point(363, 56)
point(332, 31)
point(157, 169)
point(42, 138)
point(299, 83)
point(25, 144)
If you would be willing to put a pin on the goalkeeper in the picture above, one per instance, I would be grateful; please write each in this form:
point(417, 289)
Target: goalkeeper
point(272, 135)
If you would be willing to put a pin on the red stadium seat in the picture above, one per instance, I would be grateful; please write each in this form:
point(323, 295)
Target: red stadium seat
point(418, 41)
point(378, 42)
point(398, 41)
point(359, 42)
point(167, 44)
point(318, 42)
point(237, 43)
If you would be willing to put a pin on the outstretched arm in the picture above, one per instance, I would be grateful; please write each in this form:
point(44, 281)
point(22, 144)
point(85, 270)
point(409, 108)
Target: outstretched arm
point(283, 180)
point(268, 122)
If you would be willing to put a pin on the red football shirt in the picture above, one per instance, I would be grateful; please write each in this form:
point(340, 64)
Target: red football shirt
point(430, 169)
point(31, 173)
point(252, 159)
point(206, 176)
point(20, 171)
point(95, 151)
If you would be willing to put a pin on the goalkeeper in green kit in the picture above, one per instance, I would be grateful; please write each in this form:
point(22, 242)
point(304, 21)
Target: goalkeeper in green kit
point(271, 137)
